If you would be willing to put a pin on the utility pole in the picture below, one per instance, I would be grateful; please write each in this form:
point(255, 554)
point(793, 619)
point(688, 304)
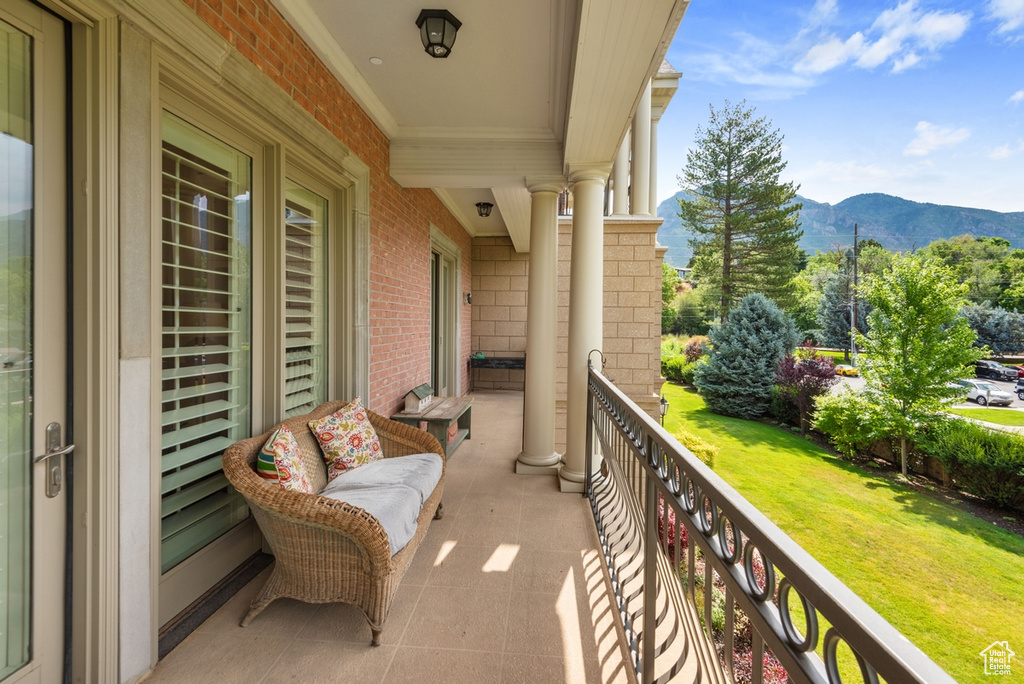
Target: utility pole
point(853, 302)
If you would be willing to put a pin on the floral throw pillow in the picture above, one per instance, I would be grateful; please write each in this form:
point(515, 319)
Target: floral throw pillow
point(280, 462)
point(347, 439)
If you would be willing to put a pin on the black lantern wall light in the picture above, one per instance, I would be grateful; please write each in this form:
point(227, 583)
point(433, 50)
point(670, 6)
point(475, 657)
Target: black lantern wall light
point(437, 31)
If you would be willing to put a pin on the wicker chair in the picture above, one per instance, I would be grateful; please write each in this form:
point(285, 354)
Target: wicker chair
point(327, 551)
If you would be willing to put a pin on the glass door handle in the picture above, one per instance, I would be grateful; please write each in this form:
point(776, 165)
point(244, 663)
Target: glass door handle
point(54, 471)
point(50, 454)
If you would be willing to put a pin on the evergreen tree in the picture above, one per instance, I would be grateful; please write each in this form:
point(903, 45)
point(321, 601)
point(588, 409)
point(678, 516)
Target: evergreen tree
point(1000, 330)
point(738, 378)
point(834, 313)
point(743, 219)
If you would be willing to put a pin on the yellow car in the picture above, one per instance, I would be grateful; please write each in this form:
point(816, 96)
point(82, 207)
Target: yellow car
point(849, 371)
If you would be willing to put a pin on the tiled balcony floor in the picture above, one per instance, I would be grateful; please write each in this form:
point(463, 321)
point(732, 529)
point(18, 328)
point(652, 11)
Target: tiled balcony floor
point(507, 587)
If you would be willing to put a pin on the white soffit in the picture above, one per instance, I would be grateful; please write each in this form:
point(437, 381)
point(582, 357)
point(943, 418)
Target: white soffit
point(515, 204)
point(619, 45)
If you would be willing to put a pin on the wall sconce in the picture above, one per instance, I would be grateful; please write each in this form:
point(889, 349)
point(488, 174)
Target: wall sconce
point(437, 31)
point(468, 297)
point(484, 208)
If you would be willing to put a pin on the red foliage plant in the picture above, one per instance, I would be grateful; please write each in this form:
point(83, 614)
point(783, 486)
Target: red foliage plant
point(803, 376)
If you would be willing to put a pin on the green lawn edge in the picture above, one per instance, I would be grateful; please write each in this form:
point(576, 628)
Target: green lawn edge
point(950, 582)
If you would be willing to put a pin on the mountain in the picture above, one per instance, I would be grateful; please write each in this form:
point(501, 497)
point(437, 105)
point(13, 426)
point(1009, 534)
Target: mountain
point(898, 224)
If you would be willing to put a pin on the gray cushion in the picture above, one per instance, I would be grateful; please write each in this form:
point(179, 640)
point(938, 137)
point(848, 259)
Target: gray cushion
point(392, 490)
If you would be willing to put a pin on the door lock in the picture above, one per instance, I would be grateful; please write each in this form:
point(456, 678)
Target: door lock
point(54, 449)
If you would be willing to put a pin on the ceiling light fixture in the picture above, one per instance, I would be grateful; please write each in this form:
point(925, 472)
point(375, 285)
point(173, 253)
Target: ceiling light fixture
point(484, 208)
point(437, 31)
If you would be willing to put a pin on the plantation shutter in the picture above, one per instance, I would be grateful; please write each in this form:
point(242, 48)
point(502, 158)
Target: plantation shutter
point(305, 295)
point(205, 374)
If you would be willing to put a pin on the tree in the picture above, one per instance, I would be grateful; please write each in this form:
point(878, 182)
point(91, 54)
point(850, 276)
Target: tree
point(1000, 330)
point(669, 282)
point(738, 377)
point(802, 377)
point(743, 219)
point(834, 313)
point(691, 317)
point(975, 261)
point(918, 344)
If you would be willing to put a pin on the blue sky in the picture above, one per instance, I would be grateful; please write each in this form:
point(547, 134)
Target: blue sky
point(923, 99)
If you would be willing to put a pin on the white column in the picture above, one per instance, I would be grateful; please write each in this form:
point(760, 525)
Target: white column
point(641, 167)
point(652, 178)
point(586, 304)
point(539, 455)
point(620, 179)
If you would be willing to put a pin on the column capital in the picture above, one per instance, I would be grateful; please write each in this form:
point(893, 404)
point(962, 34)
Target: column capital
point(542, 184)
point(596, 172)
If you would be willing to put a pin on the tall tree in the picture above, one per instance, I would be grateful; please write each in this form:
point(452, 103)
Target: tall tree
point(834, 312)
point(738, 377)
point(743, 218)
point(918, 344)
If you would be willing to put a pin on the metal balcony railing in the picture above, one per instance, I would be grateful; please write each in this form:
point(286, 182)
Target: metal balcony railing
point(667, 521)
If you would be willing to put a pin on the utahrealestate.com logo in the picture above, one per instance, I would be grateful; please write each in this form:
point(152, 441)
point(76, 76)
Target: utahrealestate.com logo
point(997, 658)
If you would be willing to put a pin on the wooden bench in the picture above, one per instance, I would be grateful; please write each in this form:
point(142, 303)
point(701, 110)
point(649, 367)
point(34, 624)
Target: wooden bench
point(439, 416)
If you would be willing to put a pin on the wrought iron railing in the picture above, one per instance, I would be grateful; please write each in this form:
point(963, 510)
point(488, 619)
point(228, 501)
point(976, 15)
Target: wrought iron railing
point(674, 533)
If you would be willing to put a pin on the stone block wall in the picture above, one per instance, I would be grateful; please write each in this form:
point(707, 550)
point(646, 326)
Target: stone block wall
point(632, 310)
point(499, 309)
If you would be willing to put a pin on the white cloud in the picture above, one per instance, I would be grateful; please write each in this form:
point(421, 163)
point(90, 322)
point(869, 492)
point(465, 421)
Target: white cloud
point(1017, 97)
point(899, 35)
point(830, 54)
point(823, 12)
point(1001, 152)
point(1009, 14)
point(931, 137)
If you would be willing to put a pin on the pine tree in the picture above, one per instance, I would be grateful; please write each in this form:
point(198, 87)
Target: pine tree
point(744, 220)
point(738, 377)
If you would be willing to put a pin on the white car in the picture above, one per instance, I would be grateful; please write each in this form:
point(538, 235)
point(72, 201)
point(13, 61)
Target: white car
point(985, 393)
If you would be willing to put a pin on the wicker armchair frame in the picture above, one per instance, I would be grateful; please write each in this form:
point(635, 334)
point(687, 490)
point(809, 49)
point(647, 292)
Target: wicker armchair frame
point(327, 551)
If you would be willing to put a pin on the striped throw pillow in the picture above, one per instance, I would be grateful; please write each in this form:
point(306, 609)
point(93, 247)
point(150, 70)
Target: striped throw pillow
point(280, 462)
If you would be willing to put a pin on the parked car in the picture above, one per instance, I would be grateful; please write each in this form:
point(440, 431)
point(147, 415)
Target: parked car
point(1019, 389)
point(985, 393)
point(847, 370)
point(995, 371)
point(1019, 369)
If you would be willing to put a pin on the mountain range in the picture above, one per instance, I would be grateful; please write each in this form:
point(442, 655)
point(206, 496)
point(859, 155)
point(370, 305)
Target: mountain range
point(898, 224)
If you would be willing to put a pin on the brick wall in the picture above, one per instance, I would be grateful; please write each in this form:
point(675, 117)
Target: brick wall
point(399, 218)
point(632, 310)
point(499, 309)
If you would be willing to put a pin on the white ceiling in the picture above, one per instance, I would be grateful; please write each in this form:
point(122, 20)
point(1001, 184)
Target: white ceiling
point(532, 89)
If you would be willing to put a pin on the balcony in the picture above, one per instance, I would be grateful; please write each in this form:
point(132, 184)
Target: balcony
point(518, 583)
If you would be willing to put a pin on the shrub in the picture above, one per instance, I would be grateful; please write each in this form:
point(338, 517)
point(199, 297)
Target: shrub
point(849, 420)
point(983, 462)
point(672, 367)
point(695, 348)
point(698, 447)
point(689, 370)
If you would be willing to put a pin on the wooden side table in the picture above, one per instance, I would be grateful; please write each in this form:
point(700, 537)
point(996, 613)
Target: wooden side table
point(440, 416)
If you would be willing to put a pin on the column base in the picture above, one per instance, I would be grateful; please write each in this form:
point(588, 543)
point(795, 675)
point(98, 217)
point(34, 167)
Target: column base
point(570, 481)
point(533, 465)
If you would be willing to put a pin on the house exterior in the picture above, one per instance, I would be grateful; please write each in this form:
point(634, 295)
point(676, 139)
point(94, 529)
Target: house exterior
point(217, 213)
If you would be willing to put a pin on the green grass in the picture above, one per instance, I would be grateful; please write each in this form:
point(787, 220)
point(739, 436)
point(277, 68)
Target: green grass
point(950, 582)
point(991, 415)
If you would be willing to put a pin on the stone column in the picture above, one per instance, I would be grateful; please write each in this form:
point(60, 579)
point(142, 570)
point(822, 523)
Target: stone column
point(539, 455)
point(641, 167)
point(586, 304)
point(620, 179)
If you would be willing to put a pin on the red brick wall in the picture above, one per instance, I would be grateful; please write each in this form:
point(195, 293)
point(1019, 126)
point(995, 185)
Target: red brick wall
point(399, 218)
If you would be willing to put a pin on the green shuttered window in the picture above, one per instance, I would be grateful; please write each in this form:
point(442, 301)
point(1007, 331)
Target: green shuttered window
point(206, 333)
point(305, 297)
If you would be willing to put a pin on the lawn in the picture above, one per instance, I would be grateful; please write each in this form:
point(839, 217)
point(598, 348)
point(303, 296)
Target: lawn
point(991, 415)
point(952, 583)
